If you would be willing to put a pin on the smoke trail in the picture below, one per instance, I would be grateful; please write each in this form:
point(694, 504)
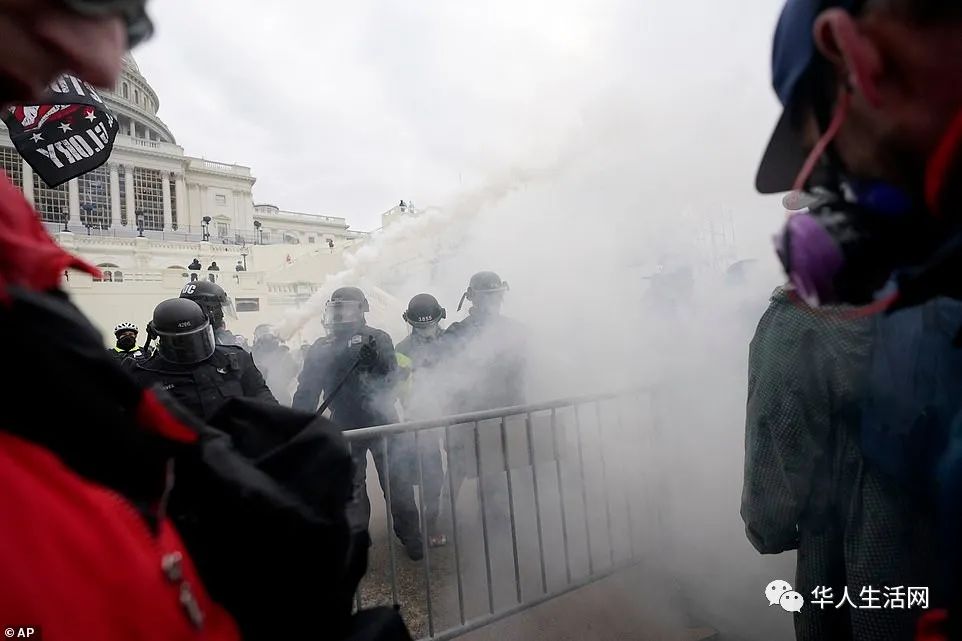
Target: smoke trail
point(411, 243)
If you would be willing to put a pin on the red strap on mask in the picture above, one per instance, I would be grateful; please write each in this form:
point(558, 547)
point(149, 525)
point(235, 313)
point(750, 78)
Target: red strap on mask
point(841, 111)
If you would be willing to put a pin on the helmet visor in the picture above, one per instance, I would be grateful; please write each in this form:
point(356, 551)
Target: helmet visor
point(340, 313)
point(188, 348)
point(487, 298)
point(228, 306)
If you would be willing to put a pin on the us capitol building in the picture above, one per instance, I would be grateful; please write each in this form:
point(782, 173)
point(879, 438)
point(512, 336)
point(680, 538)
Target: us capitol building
point(146, 214)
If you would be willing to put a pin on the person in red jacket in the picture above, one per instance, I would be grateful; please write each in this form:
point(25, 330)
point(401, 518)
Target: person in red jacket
point(86, 550)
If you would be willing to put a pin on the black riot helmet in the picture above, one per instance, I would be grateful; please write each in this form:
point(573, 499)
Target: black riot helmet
point(485, 289)
point(213, 300)
point(185, 333)
point(424, 310)
point(424, 313)
point(345, 311)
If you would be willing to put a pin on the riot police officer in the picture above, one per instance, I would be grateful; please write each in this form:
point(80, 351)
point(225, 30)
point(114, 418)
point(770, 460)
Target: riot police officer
point(486, 354)
point(216, 305)
point(126, 343)
point(188, 363)
point(363, 358)
point(419, 356)
point(491, 347)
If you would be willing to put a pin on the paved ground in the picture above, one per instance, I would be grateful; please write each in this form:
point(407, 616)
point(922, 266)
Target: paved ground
point(611, 505)
point(585, 524)
point(609, 610)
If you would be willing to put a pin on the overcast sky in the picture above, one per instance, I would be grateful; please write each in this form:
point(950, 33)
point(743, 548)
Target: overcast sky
point(344, 108)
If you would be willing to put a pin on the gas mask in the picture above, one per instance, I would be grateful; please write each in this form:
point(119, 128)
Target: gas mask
point(846, 248)
point(854, 244)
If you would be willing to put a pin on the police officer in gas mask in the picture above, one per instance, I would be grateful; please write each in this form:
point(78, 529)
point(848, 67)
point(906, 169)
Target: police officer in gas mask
point(216, 304)
point(355, 368)
point(188, 363)
point(422, 396)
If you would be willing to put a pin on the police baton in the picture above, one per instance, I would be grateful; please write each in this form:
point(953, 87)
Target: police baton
point(360, 358)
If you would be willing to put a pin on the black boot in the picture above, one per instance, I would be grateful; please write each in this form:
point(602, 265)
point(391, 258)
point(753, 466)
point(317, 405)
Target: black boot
point(414, 548)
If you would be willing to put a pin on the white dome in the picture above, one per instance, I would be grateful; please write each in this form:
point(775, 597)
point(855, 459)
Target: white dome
point(135, 103)
point(130, 63)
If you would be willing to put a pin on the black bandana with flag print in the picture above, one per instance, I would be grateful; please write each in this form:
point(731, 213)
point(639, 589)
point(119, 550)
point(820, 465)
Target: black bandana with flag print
point(70, 133)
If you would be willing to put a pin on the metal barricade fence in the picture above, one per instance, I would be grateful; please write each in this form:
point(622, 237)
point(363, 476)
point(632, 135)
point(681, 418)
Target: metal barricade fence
point(557, 503)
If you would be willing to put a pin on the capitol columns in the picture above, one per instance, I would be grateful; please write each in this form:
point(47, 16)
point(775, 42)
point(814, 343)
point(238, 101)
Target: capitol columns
point(131, 203)
point(165, 193)
point(114, 195)
point(204, 203)
point(180, 197)
point(27, 174)
point(73, 200)
point(237, 199)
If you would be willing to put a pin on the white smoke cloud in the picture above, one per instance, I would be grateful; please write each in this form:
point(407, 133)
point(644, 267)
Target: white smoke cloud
point(628, 170)
point(585, 241)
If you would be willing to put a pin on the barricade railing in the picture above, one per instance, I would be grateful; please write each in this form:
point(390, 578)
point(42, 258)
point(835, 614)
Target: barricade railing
point(555, 506)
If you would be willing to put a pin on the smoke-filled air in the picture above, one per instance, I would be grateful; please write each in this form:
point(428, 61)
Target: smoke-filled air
point(637, 255)
point(481, 321)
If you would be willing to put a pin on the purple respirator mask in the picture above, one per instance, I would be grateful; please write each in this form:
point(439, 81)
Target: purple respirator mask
point(845, 250)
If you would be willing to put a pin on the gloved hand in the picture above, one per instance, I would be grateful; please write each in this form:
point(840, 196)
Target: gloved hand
point(368, 356)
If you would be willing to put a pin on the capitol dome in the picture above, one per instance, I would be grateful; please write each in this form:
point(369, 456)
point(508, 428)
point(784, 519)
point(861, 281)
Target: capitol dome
point(135, 104)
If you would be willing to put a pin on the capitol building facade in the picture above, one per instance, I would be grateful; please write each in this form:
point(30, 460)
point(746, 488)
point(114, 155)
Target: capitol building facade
point(146, 214)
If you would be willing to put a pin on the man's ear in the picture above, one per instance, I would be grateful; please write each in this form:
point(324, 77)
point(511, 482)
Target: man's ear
point(853, 54)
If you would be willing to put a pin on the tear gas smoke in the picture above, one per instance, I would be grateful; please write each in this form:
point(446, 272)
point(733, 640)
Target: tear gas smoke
point(615, 236)
point(619, 278)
